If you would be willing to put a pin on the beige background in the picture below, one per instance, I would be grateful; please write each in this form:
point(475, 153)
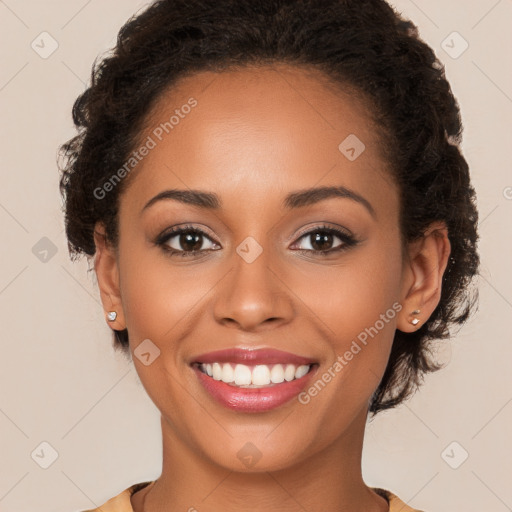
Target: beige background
point(62, 384)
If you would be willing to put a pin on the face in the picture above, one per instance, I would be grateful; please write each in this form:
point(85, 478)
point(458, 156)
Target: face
point(261, 264)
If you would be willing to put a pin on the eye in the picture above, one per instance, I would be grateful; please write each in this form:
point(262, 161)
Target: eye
point(190, 241)
point(185, 241)
point(321, 240)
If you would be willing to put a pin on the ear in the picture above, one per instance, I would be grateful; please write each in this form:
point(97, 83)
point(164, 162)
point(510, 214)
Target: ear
point(107, 274)
point(423, 272)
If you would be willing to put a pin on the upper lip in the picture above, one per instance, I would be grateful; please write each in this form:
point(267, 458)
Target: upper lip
point(252, 356)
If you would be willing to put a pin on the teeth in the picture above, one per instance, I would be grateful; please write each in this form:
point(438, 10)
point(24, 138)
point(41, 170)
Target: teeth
point(254, 376)
point(289, 372)
point(301, 371)
point(277, 374)
point(242, 375)
point(228, 374)
point(261, 375)
point(217, 371)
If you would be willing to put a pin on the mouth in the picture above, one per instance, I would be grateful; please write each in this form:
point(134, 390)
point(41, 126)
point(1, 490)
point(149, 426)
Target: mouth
point(253, 380)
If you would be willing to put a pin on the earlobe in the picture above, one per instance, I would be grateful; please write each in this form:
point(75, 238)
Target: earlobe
point(423, 276)
point(107, 274)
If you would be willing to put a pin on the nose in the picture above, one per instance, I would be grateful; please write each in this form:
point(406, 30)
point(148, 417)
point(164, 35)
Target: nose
point(253, 296)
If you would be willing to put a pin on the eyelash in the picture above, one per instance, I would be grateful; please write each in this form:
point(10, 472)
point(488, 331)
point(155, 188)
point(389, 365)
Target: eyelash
point(348, 240)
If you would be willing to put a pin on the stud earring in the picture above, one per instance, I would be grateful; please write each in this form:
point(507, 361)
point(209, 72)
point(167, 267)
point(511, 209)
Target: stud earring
point(415, 321)
point(111, 316)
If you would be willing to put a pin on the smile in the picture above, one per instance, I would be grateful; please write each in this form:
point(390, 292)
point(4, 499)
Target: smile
point(253, 380)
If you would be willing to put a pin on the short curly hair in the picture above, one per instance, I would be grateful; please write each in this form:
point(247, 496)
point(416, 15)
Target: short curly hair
point(362, 44)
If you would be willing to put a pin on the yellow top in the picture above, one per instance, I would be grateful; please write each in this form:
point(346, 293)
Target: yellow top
point(122, 503)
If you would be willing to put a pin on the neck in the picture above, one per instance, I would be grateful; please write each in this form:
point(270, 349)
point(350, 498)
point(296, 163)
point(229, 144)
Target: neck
point(329, 479)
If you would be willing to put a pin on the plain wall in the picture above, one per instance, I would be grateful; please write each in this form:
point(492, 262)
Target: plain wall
point(62, 383)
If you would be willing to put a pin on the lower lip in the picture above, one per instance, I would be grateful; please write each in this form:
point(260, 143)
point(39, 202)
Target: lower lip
point(253, 399)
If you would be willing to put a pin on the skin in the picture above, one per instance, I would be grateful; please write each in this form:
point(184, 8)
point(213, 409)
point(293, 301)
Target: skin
point(255, 136)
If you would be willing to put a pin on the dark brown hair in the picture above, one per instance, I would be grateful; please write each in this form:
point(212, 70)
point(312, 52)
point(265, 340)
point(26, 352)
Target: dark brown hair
point(364, 44)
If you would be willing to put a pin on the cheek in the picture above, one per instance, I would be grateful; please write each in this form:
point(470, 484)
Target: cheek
point(159, 302)
point(157, 293)
point(353, 295)
point(360, 310)
point(157, 297)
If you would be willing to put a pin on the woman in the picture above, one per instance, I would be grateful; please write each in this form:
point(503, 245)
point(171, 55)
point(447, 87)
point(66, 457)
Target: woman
point(281, 222)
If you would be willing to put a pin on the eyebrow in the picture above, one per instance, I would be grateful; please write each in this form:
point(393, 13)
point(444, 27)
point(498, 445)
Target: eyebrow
point(297, 199)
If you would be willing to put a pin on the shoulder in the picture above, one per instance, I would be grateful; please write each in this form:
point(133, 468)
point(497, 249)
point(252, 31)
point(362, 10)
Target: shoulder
point(120, 502)
point(395, 503)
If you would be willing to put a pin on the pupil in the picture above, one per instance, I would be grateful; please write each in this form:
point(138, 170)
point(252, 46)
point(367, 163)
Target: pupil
point(319, 241)
point(194, 239)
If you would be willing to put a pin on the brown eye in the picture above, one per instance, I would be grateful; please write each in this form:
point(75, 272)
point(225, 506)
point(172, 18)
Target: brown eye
point(186, 241)
point(190, 241)
point(322, 241)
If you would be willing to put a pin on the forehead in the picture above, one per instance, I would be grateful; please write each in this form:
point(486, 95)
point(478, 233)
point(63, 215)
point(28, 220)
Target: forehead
point(258, 131)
